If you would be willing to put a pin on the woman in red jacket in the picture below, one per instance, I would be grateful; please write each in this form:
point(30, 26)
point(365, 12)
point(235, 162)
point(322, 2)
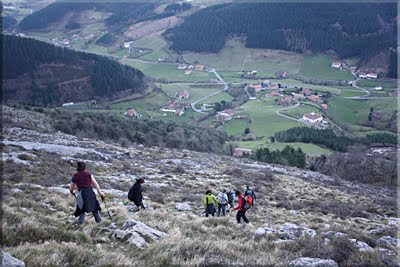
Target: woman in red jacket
point(240, 208)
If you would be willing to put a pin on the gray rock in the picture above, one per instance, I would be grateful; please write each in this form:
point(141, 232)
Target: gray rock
point(112, 226)
point(137, 240)
point(388, 241)
point(216, 259)
point(143, 229)
point(292, 231)
point(184, 206)
point(282, 241)
point(120, 234)
point(313, 262)
point(260, 232)
point(361, 246)
point(10, 261)
point(333, 234)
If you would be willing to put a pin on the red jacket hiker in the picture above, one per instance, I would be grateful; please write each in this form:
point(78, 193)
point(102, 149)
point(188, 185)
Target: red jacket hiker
point(240, 205)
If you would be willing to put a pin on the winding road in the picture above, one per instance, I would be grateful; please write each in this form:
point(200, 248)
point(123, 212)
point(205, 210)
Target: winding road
point(193, 104)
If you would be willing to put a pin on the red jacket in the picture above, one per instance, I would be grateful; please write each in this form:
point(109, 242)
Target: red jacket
point(240, 203)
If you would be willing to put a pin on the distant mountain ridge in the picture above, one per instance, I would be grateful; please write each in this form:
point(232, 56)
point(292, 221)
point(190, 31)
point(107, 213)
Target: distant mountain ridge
point(41, 74)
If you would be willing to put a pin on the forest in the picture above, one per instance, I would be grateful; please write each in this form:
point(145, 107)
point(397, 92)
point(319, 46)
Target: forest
point(329, 139)
point(287, 156)
point(25, 56)
point(114, 127)
point(349, 29)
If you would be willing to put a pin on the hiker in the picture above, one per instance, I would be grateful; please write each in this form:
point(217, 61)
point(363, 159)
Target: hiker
point(222, 199)
point(210, 203)
point(241, 207)
point(86, 198)
point(231, 199)
point(135, 193)
point(251, 193)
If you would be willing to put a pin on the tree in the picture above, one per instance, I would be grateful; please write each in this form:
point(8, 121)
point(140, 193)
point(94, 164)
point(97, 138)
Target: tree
point(246, 130)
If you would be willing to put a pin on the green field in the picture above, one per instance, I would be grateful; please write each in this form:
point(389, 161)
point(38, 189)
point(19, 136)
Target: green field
point(310, 149)
point(385, 84)
point(236, 126)
point(195, 92)
point(167, 71)
point(156, 43)
point(299, 111)
point(319, 66)
point(350, 93)
point(217, 98)
point(336, 90)
point(264, 121)
point(235, 56)
point(151, 102)
point(356, 111)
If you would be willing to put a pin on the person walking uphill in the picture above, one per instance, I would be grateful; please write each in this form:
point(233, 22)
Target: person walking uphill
point(86, 198)
point(210, 203)
point(222, 199)
point(241, 207)
point(135, 193)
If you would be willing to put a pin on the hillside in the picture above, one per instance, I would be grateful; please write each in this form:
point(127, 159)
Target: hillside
point(313, 27)
point(298, 213)
point(42, 74)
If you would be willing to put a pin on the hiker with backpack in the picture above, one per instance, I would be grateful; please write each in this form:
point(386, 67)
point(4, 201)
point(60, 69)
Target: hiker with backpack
point(231, 199)
point(222, 199)
point(135, 193)
point(210, 203)
point(242, 207)
point(86, 199)
point(250, 192)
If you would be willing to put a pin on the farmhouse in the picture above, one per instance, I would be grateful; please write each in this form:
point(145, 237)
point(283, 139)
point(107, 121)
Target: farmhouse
point(170, 107)
point(273, 86)
point(183, 94)
point(128, 44)
point(181, 66)
point(240, 152)
point(67, 104)
point(306, 91)
point(207, 106)
point(190, 67)
point(226, 115)
point(285, 101)
point(362, 75)
point(132, 113)
point(199, 67)
point(257, 87)
point(188, 72)
point(298, 96)
point(312, 117)
point(372, 75)
point(336, 65)
point(281, 74)
point(272, 94)
point(314, 98)
point(324, 106)
point(179, 112)
point(378, 88)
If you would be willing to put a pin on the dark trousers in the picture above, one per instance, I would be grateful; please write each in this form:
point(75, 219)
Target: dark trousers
point(241, 214)
point(96, 215)
point(221, 207)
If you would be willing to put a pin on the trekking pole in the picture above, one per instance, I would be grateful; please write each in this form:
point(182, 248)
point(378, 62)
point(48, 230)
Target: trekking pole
point(105, 205)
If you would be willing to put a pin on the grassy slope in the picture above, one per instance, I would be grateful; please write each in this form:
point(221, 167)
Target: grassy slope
point(235, 56)
point(319, 66)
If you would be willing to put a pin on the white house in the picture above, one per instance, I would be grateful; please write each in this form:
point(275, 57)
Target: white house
point(372, 75)
point(362, 75)
point(128, 44)
point(336, 65)
point(312, 117)
point(378, 88)
point(68, 104)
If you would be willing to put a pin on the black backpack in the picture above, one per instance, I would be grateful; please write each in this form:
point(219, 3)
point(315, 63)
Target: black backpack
point(131, 194)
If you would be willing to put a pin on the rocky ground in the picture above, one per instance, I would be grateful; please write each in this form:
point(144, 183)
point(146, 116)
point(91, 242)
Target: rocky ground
point(301, 218)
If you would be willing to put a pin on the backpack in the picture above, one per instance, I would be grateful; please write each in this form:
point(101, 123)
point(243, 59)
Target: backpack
point(222, 199)
point(249, 192)
point(247, 202)
point(131, 194)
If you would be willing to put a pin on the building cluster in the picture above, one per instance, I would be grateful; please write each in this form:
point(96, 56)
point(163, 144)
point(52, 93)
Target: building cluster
point(225, 116)
point(188, 69)
point(313, 118)
point(264, 86)
point(132, 113)
point(369, 75)
point(177, 108)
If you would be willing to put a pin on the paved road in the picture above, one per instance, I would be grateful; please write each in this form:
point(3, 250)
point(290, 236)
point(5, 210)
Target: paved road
point(193, 104)
point(278, 112)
